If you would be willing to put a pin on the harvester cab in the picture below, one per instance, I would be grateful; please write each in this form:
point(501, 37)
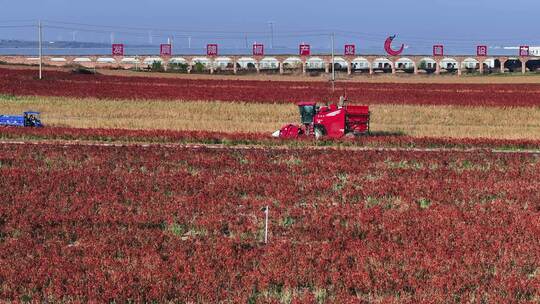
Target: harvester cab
point(31, 119)
point(332, 121)
point(307, 113)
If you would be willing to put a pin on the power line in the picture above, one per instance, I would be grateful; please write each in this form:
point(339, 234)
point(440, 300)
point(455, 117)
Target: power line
point(17, 26)
point(321, 32)
point(409, 39)
point(369, 39)
point(20, 20)
point(146, 29)
point(239, 36)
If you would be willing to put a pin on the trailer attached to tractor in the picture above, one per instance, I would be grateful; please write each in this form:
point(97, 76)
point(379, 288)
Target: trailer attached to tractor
point(28, 119)
point(332, 121)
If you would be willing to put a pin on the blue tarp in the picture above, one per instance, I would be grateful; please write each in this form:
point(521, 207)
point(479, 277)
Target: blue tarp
point(11, 120)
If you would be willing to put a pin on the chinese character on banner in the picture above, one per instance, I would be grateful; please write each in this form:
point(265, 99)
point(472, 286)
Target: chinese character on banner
point(350, 49)
point(305, 50)
point(118, 50)
point(438, 50)
point(481, 50)
point(524, 51)
point(258, 49)
point(211, 49)
point(165, 50)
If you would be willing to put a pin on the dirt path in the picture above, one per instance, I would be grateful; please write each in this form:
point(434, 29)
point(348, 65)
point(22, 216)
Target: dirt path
point(66, 143)
point(376, 78)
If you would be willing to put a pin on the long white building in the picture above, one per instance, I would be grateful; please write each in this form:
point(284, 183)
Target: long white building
point(534, 51)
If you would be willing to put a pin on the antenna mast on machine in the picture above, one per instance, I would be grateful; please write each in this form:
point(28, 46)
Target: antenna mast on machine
point(40, 49)
point(333, 65)
point(271, 23)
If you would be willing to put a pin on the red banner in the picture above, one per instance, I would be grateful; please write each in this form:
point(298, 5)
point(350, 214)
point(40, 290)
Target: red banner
point(438, 50)
point(258, 49)
point(212, 49)
point(165, 50)
point(481, 50)
point(305, 49)
point(350, 49)
point(524, 51)
point(118, 49)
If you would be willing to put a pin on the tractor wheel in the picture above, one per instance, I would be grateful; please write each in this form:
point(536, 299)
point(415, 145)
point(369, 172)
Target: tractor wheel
point(318, 133)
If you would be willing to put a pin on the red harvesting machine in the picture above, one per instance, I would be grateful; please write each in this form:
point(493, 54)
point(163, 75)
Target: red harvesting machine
point(332, 121)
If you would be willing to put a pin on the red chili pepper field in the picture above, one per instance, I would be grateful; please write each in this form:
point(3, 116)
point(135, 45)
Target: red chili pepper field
point(58, 83)
point(161, 216)
point(103, 223)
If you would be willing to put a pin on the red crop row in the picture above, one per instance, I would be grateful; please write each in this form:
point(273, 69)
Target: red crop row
point(206, 137)
point(23, 82)
point(102, 224)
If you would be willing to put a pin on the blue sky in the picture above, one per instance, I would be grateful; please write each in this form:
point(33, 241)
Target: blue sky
point(418, 23)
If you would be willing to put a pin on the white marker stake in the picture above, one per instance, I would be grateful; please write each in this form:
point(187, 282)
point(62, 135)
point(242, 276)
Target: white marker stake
point(266, 211)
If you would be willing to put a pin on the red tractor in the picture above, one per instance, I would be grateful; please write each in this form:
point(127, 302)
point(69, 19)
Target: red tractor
point(332, 121)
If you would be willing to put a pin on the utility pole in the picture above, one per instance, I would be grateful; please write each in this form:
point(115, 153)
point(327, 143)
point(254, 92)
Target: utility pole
point(271, 23)
point(189, 42)
point(40, 50)
point(333, 65)
point(245, 38)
